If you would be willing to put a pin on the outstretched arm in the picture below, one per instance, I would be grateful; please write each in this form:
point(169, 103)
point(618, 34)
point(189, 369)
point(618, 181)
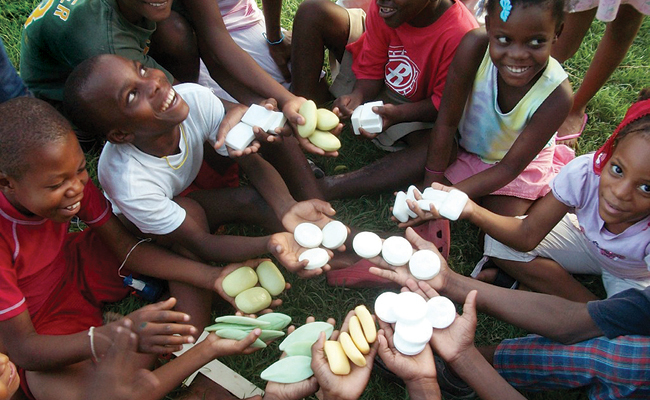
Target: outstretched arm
point(553, 317)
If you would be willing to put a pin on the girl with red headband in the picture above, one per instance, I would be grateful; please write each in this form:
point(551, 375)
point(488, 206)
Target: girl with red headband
point(596, 220)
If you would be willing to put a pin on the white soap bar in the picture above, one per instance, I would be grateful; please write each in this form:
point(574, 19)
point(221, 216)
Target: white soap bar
point(355, 119)
point(410, 195)
point(240, 136)
point(308, 235)
point(418, 332)
point(424, 264)
point(334, 235)
point(396, 251)
point(410, 307)
point(277, 120)
point(317, 258)
point(425, 205)
point(400, 208)
point(384, 307)
point(406, 348)
point(435, 196)
point(257, 115)
point(441, 312)
point(453, 205)
point(369, 121)
point(367, 244)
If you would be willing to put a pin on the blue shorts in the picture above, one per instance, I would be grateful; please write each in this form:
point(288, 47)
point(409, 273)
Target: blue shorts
point(610, 368)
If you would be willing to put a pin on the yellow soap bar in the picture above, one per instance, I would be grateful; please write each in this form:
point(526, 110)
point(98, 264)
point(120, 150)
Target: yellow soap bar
point(351, 350)
point(367, 323)
point(336, 358)
point(270, 278)
point(239, 280)
point(308, 111)
point(357, 335)
point(253, 300)
point(325, 140)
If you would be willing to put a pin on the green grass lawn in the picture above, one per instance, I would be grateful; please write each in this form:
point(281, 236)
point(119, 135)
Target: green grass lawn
point(314, 297)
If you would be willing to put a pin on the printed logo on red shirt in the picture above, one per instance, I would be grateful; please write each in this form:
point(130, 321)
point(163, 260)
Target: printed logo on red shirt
point(401, 72)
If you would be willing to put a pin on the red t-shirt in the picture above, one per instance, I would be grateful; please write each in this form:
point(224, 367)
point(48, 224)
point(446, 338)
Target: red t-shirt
point(412, 61)
point(31, 262)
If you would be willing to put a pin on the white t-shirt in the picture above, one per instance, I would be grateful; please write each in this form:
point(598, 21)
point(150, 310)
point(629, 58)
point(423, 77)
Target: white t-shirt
point(142, 186)
point(625, 254)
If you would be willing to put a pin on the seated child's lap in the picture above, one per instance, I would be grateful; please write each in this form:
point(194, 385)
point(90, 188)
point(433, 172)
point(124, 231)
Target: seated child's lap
point(531, 184)
point(567, 246)
point(208, 178)
point(91, 280)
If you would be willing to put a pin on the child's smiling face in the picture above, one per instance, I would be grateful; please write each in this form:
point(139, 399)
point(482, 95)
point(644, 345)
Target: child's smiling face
point(129, 97)
point(520, 47)
point(397, 12)
point(624, 189)
point(153, 10)
point(53, 185)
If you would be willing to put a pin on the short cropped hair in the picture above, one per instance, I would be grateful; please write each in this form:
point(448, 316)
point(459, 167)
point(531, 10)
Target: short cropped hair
point(27, 124)
point(76, 106)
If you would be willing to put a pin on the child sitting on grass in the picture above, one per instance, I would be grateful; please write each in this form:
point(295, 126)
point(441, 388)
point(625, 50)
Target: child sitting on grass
point(402, 58)
point(156, 139)
point(505, 97)
point(609, 192)
point(53, 284)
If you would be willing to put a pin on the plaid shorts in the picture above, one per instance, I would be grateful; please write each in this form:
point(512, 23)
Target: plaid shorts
point(610, 368)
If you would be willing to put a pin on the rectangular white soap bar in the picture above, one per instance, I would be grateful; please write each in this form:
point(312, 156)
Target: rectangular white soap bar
point(370, 121)
point(355, 118)
point(277, 120)
point(240, 136)
point(257, 116)
point(435, 196)
point(453, 205)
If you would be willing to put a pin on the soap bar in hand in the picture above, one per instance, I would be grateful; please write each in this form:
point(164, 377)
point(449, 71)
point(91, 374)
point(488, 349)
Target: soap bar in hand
point(240, 136)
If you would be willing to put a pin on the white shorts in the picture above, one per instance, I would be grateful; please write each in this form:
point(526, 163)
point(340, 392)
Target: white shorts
point(567, 246)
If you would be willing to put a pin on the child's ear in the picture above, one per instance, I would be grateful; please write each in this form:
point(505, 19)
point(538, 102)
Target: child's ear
point(5, 183)
point(119, 137)
point(558, 32)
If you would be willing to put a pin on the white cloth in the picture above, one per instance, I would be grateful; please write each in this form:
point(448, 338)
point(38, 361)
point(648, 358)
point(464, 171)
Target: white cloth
point(142, 186)
point(245, 23)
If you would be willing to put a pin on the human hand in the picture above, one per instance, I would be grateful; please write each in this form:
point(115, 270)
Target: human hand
point(9, 378)
point(117, 377)
point(345, 105)
point(286, 250)
point(452, 342)
point(160, 330)
point(290, 110)
point(409, 368)
point(214, 346)
point(234, 114)
point(281, 54)
point(401, 275)
point(316, 211)
point(225, 271)
point(389, 113)
point(341, 387)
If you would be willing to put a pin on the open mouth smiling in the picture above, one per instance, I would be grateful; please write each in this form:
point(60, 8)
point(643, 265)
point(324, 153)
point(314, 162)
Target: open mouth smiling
point(171, 96)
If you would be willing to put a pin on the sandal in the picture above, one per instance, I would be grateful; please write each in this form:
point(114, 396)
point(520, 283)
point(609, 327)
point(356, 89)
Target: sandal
point(502, 279)
point(576, 135)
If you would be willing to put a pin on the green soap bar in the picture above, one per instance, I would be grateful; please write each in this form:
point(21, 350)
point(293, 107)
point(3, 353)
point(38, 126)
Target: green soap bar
point(236, 334)
point(253, 300)
point(270, 334)
point(239, 280)
point(288, 370)
point(270, 278)
point(222, 325)
point(236, 319)
point(278, 321)
point(300, 348)
point(308, 332)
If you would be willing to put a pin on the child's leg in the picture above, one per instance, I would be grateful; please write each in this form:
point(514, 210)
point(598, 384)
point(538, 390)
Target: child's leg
point(546, 276)
point(395, 170)
point(575, 28)
point(612, 49)
point(610, 368)
point(509, 206)
point(318, 24)
point(174, 46)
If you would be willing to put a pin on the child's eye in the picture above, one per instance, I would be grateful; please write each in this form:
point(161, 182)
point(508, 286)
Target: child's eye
point(645, 188)
point(616, 170)
point(55, 186)
point(536, 42)
point(130, 97)
point(502, 39)
point(143, 70)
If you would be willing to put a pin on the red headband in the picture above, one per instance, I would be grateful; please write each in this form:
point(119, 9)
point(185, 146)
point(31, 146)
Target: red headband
point(638, 110)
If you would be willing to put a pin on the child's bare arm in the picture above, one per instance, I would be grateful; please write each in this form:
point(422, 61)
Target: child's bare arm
point(458, 87)
point(548, 117)
point(423, 111)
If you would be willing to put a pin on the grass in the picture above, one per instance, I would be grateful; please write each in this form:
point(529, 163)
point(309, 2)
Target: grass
point(314, 297)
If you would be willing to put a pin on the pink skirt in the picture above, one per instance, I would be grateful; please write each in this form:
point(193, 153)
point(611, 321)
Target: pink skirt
point(531, 184)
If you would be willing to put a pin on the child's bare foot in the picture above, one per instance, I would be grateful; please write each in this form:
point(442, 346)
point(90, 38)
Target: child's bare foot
point(572, 128)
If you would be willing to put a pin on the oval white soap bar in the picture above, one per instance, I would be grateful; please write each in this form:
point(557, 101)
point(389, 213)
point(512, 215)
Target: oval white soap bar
point(406, 348)
point(384, 307)
point(416, 333)
point(441, 312)
point(308, 235)
point(396, 251)
point(334, 235)
point(367, 244)
point(424, 264)
point(317, 257)
point(410, 307)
